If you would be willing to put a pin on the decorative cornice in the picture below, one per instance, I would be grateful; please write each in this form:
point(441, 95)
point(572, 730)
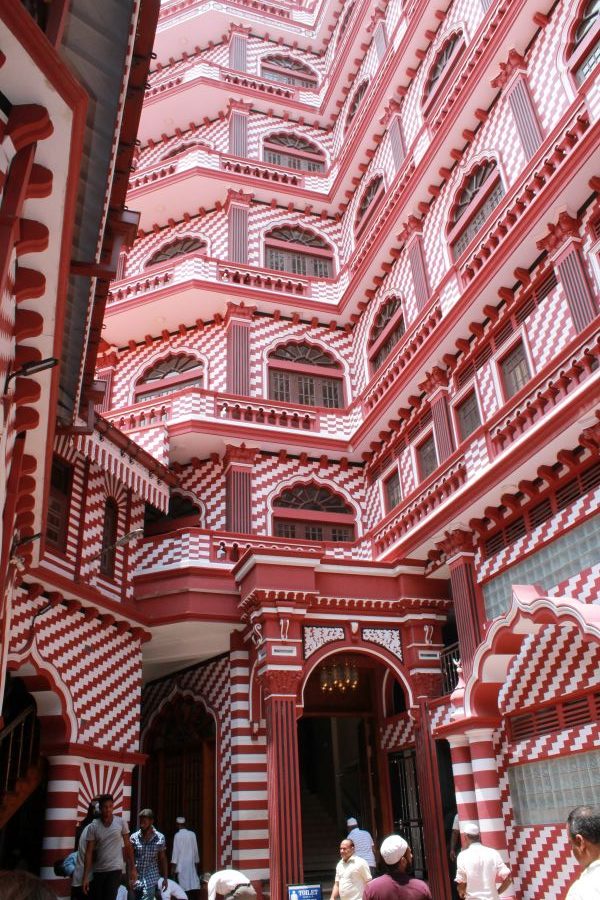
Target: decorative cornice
point(456, 542)
point(241, 454)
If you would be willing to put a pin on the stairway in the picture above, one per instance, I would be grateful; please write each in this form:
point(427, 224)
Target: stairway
point(12, 800)
point(320, 842)
point(21, 768)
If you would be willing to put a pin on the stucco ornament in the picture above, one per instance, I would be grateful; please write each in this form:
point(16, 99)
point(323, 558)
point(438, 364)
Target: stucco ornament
point(316, 636)
point(385, 637)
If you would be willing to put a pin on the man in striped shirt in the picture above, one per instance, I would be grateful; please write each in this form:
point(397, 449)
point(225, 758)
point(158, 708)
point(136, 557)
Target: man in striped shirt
point(363, 843)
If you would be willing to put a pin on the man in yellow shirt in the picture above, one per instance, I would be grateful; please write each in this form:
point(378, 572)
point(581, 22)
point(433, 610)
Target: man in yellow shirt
point(351, 874)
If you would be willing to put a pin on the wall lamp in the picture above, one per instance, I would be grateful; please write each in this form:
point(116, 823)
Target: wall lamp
point(31, 368)
point(125, 539)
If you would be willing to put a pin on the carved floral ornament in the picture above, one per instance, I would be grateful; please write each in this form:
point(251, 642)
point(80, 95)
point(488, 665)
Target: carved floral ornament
point(385, 637)
point(317, 636)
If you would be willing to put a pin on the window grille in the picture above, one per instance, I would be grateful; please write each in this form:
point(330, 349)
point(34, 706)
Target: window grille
point(515, 370)
point(287, 70)
point(393, 492)
point(427, 458)
point(367, 198)
point(468, 416)
point(473, 221)
point(586, 40)
point(355, 102)
point(441, 62)
point(171, 374)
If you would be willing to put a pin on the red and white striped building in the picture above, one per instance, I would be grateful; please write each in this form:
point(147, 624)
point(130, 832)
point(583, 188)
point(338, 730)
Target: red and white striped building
point(345, 430)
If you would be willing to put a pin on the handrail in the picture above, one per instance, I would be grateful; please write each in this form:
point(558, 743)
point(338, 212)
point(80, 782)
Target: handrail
point(449, 657)
point(17, 749)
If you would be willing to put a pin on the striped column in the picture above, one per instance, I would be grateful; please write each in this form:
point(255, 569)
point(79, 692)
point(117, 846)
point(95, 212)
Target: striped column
point(462, 771)
point(487, 789)
point(249, 777)
point(564, 244)
point(283, 774)
point(64, 779)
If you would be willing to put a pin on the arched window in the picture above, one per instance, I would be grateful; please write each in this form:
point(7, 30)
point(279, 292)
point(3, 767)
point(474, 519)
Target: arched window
point(479, 197)
point(180, 148)
point(289, 248)
point(386, 332)
point(345, 21)
point(109, 538)
point(293, 151)
point(585, 52)
point(355, 102)
point(369, 200)
point(443, 65)
point(171, 374)
point(178, 247)
point(312, 512)
point(288, 70)
point(296, 375)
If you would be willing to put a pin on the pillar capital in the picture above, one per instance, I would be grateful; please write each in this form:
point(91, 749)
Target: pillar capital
point(238, 198)
point(280, 683)
point(560, 233)
point(239, 312)
point(241, 456)
point(457, 544)
point(515, 63)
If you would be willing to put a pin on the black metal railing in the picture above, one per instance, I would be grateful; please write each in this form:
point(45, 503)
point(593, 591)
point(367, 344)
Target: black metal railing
point(18, 749)
point(450, 658)
point(38, 10)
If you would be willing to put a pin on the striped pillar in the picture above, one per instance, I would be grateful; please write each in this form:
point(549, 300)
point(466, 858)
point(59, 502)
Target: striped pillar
point(249, 811)
point(458, 547)
point(283, 776)
point(64, 779)
point(462, 771)
point(487, 789)
point(564, 244)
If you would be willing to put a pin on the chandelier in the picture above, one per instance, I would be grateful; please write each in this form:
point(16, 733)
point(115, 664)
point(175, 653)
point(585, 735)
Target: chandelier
point(342, 676)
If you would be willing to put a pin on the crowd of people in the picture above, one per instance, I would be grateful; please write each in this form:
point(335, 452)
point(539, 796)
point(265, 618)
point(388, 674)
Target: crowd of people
point(104, 845)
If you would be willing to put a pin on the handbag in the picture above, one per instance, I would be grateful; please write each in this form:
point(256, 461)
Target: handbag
point(64, 868)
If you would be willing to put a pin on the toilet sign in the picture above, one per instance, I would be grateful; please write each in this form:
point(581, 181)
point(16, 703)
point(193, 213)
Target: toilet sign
point(304, 892)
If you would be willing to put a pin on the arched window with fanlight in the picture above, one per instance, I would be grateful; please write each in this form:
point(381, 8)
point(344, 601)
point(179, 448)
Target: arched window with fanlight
point(304, 374)
point(109, 538)
point(312, 512)
point(477, 199)
point(345, 22)
point(584, 47)
point(180, 148)
point(386, 332)
point(368, 202)
point(179, 247)
point(293, 151)
point(172, 374)
point(442, 67)
point(355, 103)
point(290, 248)
point(287, 70)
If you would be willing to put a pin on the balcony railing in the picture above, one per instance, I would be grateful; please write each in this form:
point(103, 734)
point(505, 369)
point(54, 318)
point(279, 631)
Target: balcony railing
point(450, 658)
point(18, 749)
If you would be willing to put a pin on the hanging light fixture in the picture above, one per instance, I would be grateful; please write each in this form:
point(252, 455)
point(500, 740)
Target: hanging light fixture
point(341, 676)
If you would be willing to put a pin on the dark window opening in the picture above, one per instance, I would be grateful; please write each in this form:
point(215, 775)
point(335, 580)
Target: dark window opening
point(57, 522)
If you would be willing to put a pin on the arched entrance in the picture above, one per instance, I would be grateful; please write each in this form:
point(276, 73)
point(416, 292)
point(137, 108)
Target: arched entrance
point(343, 769)
point(179, 776)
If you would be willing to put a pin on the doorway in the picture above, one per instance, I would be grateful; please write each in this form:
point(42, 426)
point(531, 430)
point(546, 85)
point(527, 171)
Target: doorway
point(406, 808)
point(338, 771)
point(179, 776)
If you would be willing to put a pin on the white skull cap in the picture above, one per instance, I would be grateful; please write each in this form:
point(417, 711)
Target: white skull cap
point(393, 849)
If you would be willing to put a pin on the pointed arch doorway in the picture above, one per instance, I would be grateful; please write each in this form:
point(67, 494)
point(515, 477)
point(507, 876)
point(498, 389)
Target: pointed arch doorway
point(179, 776)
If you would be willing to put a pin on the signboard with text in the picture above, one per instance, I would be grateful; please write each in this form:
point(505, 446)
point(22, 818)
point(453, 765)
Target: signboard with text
point(304, 892)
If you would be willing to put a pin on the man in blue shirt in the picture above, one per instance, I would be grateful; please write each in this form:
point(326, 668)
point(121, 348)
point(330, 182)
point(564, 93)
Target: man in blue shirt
point(150, 854)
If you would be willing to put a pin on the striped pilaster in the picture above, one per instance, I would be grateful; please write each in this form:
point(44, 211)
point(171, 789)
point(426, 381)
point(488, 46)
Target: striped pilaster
point(285, 823)
point(62, 815)
point(249, 778)
point(462, 771)
point(487, 789)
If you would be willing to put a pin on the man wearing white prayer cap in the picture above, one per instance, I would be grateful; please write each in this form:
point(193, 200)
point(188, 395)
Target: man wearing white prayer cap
point(185, 858)
point(481, 873)
point(363, 843)
point(396, 883)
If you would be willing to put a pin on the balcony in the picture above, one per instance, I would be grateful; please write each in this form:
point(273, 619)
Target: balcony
point(198, 421)
point(450, 659)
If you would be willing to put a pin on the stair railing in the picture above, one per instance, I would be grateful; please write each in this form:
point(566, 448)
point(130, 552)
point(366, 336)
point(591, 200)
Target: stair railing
point(18, 749)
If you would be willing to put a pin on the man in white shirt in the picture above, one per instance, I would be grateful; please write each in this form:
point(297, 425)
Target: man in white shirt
point(583, 827)
point(481, 873)
point(230, 883)
point(351, 874)
point(363, 843)
point(185, 858)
